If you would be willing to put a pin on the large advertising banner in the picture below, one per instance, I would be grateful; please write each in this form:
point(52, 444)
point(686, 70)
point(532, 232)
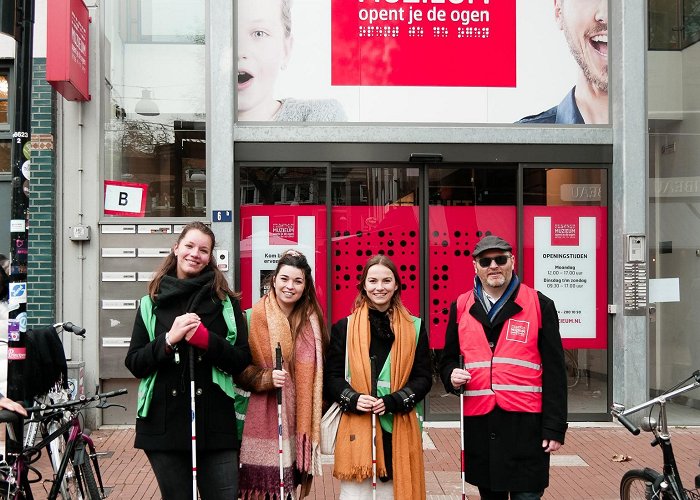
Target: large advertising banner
point(454, 61)
point(565, 254)
point(267, 232)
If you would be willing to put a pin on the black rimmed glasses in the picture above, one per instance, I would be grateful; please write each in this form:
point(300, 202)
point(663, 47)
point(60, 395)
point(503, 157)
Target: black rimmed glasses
point(500, 260)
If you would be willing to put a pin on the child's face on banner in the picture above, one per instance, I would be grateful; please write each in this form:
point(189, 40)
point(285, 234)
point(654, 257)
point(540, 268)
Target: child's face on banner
point(263, 50)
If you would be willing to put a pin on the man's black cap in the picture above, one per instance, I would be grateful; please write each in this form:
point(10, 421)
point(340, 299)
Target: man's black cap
point(491, 242)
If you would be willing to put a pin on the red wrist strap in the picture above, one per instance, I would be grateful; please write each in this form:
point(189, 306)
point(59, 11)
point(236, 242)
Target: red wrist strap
point(200, 339)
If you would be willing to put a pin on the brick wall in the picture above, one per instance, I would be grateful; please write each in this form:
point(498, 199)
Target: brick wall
point(41, 268)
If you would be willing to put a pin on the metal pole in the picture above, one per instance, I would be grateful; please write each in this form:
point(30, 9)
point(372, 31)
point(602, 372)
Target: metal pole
point(373, 382)
point(278, 366)
point(19, 234)
point(461, 428)
point(194, 423)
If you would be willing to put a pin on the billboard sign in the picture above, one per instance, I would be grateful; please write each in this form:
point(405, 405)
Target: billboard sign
point(454, 61)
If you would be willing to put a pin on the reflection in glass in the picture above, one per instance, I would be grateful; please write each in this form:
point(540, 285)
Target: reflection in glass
point(674, 256)
point(5, 156)
point(155, 111)
point(282, 185)
point(4, 99)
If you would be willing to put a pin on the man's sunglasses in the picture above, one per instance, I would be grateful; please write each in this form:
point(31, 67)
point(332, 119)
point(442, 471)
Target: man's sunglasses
point(500, 260)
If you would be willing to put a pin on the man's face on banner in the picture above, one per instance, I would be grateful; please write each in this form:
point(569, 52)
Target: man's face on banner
point(585, 25)
point(263, 50)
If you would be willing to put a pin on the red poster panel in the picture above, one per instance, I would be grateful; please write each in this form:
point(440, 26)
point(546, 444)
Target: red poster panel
point(566, 259)
point(453, 232)
point(67, 46)
point(428, 43)
point(267, 231)
point(360, 232)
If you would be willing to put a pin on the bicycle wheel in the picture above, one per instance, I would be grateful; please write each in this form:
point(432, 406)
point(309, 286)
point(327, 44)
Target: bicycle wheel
point(573, 373)
point(641, 485)
point(85, 478)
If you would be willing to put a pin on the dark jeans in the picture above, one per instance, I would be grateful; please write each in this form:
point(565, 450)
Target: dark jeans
point(514, 495)
point(217, 474)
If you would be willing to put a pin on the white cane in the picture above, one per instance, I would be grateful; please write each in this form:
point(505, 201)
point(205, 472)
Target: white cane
point(194, 425)
point(461, 427)
point(278, 366)
point(373, 381)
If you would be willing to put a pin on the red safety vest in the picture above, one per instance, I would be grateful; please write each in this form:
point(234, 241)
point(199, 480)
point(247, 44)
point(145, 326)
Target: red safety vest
point(511, 375)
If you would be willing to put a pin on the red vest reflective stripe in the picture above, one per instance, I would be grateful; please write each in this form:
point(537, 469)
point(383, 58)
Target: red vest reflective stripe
point(511, 375)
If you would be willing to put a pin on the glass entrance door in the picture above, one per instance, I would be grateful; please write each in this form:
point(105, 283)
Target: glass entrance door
point(374, 210)
point(465, 204)
point(428, 218)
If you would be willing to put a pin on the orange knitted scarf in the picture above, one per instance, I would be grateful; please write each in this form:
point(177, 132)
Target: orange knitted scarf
point(353, 449)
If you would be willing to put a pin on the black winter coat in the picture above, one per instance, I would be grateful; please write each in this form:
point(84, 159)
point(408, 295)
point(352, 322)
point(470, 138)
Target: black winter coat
point(167, 425)
point(504, 449)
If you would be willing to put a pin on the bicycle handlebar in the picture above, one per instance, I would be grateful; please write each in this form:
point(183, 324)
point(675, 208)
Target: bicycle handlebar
point(629, 425)
point(8, 416)
point(70, 327)
point(621, 413)
point(78, 402)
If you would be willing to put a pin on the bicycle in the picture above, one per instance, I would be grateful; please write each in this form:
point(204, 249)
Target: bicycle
point(85, 479)
point(59, 393)
point(49, 385)
point(648, 483)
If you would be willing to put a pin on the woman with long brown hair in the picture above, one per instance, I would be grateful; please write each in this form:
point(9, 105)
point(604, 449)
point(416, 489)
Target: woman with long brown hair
point(189, 309)
point(291, 316)
point(380, 330)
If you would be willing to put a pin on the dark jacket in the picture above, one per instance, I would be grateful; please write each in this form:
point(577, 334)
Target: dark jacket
point(167, 425)
point(504, 449)
point(419, 382)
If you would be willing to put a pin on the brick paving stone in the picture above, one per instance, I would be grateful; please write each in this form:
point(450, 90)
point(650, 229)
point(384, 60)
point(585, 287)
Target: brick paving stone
point(128, 475)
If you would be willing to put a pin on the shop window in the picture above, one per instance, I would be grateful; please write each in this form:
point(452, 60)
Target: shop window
point(155, 134)
point(4, 99)
point(375, 210)
point(281, 186)
point(282, 207)
point(673, 24)
point(5, 157)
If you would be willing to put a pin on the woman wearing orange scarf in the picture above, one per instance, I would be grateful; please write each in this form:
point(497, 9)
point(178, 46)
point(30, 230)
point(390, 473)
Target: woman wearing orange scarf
point(380, 327)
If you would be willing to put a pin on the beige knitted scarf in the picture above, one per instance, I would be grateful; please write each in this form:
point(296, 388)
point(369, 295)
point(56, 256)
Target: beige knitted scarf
point(301, 403)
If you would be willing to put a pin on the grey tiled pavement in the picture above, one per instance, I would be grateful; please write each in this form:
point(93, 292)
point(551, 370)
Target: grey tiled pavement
point(583, 469)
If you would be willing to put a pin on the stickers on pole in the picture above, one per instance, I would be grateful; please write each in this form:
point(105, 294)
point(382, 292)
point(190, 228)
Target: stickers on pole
point(13, 330)
point(17, 226)
point(126, 199)
point(18, 293)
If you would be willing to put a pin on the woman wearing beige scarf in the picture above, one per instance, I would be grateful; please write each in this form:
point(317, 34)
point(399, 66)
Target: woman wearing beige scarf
point(379, 326)
point(288, 315)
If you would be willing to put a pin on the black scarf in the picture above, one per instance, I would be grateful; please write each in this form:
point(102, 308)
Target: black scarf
point(188, 291)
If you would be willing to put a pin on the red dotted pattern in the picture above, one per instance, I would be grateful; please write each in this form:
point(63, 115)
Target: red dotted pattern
point(360, 232)
point(453, 232)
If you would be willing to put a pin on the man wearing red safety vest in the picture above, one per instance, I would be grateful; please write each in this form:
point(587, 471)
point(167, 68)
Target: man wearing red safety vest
point(513, 377)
